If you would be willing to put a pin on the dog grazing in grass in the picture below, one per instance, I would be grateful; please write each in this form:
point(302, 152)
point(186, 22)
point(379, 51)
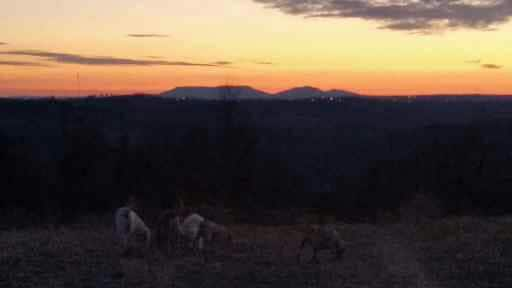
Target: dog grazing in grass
point(129, 226)
point(322, 238)
point(182, 227)
point(188, 228)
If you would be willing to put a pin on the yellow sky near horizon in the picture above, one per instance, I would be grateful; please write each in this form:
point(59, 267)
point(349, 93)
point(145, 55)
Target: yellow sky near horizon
point(349, 54)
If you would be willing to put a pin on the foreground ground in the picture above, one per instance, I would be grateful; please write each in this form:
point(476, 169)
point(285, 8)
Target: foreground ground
point(460, 252)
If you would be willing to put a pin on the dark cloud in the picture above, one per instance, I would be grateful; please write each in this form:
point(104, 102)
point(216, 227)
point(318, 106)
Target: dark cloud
point(263, 63)
point(148, 35)
point(484, 65)
point(66, 58)
point(426, 16)
point(491, 66)
point(223, 63)
point(22, 63)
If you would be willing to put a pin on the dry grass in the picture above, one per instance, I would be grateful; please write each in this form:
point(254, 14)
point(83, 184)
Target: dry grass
point(461, 252)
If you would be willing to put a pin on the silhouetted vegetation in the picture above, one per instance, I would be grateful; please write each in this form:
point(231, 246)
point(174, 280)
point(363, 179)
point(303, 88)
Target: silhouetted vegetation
point(355, 159)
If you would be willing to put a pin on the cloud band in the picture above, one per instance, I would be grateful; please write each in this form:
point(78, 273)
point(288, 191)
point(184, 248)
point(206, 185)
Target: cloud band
point(409, 15)
point(66, 58)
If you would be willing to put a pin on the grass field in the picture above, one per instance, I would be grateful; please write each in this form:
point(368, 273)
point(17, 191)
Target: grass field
point(457, 252)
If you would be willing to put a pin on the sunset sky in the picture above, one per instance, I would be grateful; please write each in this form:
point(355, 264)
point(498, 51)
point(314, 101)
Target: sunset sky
point(376, 47)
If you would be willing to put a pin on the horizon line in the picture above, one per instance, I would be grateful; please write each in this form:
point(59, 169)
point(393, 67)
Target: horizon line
point(72, 93)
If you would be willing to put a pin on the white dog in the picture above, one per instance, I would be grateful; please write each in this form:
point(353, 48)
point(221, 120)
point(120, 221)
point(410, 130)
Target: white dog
point(189, 228)
point(128, 225)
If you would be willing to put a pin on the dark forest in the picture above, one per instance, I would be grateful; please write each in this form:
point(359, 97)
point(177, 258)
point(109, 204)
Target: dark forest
point(355, 158)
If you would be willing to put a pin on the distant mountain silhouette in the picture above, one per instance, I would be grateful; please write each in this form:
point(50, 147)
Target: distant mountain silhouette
point(300, 93)
point(312, 92)
point(342, 93)
point(215, 93)
point(246, 92)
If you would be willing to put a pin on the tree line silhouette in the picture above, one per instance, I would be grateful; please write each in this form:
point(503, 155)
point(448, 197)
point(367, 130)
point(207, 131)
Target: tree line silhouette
point(61, 159)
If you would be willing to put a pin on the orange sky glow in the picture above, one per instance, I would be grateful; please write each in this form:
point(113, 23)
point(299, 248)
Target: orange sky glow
point(70, 48)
